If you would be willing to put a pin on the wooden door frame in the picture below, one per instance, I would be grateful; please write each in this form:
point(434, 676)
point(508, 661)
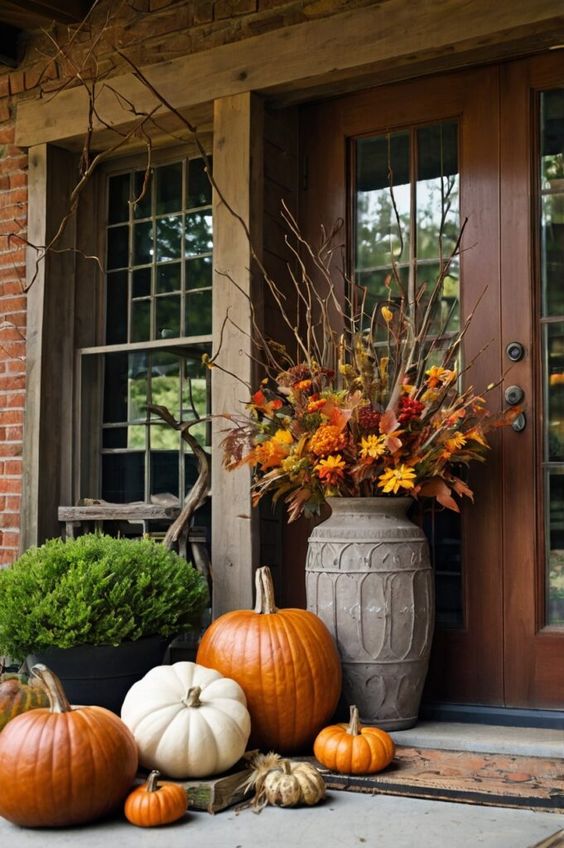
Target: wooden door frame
point(459, 95)
point(526, 637)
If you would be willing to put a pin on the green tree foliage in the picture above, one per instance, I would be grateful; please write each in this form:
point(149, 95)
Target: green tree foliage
point(96, 590)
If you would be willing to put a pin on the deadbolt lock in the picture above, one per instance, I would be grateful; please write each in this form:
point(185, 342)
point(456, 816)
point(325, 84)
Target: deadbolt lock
point(515, 351)
point(514, 395)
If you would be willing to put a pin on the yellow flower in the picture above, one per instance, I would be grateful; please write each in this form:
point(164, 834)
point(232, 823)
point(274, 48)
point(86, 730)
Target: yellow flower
point(331, 470)
point(394, 479)
point(387, 314)
point(455, 442)
point(477, 436)
point(283, 437)
point(326, 440)
point(371, 447)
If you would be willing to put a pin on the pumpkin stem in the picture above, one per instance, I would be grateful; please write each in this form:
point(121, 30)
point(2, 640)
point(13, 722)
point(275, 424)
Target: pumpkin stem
point(286, 767)
point(265, 603)
point(152, 781)
point(354, 723)
point(192, 698)
point(58, 701)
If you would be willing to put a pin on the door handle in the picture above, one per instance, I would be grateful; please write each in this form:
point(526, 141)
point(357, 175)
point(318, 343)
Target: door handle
point(514, 395)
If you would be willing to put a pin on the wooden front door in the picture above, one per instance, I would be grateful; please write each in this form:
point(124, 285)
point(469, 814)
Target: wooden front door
point(485, 145)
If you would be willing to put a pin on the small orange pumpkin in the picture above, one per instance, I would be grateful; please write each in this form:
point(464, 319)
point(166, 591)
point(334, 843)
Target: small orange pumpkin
point(353, 748)
point(154, 804)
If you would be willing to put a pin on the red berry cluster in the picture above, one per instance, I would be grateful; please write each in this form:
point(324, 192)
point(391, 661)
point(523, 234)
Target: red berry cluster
point(368, 418)
point(409, 408)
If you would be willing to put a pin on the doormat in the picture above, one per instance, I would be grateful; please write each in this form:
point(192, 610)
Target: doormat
point(497, 780)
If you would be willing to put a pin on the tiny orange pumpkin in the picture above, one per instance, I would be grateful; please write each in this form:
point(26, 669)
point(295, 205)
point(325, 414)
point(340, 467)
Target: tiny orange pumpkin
point(353, 748)
point(154, 804)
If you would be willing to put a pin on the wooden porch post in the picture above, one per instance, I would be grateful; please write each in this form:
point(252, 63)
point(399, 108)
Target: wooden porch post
point(238, 171)
point(49, 347)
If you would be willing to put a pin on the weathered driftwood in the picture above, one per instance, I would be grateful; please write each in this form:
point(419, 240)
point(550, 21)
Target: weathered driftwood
point(178, 531)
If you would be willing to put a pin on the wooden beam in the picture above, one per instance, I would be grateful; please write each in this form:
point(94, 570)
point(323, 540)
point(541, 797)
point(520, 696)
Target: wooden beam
point(237, 165)
point(30, 14)
point(368, 41)
point(49, 348)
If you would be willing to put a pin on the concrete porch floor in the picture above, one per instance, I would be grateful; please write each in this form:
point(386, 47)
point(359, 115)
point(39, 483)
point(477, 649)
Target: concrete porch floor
point(346, 819)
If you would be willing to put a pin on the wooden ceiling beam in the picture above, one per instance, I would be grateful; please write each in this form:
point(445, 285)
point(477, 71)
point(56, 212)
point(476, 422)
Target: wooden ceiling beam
point(394, 39)
point(30, 14)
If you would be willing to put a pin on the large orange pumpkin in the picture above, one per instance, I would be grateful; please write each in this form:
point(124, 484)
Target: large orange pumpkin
point(354, 748)
point(63, 766)
point(286, 663)
point(17, 696)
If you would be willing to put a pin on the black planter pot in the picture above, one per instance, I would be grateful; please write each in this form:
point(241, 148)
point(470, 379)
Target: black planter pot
point(101, 675)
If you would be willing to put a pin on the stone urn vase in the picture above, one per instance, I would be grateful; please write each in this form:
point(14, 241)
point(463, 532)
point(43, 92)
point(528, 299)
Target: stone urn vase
point(369, 578)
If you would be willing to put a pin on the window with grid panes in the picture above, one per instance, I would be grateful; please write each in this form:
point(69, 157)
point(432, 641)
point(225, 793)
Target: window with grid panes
point(158, 323)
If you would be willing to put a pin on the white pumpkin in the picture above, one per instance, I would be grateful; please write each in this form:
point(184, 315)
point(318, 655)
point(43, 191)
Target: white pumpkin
point(188, 720)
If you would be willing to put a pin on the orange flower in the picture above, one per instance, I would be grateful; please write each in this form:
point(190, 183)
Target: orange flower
point(261, 404)
point(437, 376)
point(302, 386)
point(452, 445)
point(331, 470)
point(316, 405)
point(273, 452)
point(326, 440)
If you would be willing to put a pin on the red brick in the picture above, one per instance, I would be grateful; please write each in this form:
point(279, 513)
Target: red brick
point(8, 305)
point(12, 383)
point(13, 467)
point(17, 82)
point(10, 538)
point(4, 85)
point(13, 503)
point(10, 519)
point(203, 11)
point(15, 400)
point(227, 8)
point(14, 163)
point(10, 449)
point(7, 135)
point(5, 111)
point(11, 416)
point(14, 434)
point(18, 180)
point(11, 485)
point(7, 557)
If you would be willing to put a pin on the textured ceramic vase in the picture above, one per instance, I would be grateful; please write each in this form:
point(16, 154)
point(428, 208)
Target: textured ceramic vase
point(369, 578)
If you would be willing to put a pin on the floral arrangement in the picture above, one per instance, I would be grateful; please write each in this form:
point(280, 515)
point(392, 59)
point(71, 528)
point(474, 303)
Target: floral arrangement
point(373, 404)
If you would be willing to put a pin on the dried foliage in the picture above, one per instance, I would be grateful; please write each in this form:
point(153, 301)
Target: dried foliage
point(372, 402)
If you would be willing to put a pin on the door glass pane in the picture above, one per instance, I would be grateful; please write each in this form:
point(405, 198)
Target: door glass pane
point(555, 536)
point(407, 208)
point(552, 321)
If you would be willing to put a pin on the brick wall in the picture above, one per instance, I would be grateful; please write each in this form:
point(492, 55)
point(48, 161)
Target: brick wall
point(149, 31)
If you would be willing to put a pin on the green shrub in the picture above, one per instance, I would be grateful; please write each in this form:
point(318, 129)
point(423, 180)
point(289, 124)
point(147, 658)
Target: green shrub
point(96, 590)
